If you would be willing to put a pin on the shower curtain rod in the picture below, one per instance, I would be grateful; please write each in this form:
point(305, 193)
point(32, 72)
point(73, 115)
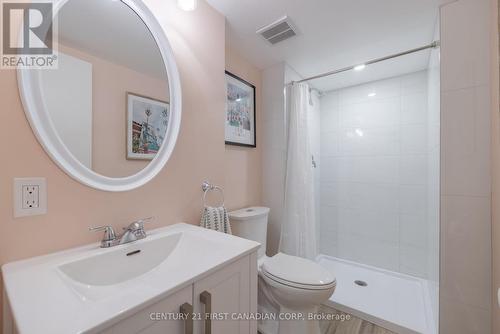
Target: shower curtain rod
point(433, 45)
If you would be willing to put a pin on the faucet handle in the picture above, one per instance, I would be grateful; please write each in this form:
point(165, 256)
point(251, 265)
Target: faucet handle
point(138, 224)
point(136, 229)
point(145, 220)
point(109, 232)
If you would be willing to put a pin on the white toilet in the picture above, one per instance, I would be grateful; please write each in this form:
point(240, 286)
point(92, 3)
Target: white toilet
point(296, 284)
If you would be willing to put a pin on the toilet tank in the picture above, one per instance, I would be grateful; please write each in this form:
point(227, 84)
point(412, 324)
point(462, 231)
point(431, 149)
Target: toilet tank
point(251, 223)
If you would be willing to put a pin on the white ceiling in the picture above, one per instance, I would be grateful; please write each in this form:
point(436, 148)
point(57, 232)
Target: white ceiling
point(112, 31)
point(333, 34)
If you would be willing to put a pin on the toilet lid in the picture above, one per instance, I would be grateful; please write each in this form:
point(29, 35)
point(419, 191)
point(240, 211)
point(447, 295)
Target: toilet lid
point(249, 213)
point(297, 271)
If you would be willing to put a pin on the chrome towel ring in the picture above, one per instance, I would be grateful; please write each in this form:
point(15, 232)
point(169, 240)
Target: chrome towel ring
point(207, 187)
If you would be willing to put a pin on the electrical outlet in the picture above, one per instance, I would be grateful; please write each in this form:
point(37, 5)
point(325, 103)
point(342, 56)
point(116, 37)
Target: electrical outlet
point(30, 197)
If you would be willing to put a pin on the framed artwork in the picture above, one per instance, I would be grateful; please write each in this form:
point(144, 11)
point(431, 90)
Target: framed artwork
point(147, 123)
point(240, 112)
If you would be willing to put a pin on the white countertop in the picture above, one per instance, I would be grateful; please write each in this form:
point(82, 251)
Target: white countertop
point(42, 299)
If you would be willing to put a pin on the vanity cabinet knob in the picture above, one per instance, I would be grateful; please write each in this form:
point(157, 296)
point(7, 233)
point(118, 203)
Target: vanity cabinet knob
point(187, 310)
point(206, 299)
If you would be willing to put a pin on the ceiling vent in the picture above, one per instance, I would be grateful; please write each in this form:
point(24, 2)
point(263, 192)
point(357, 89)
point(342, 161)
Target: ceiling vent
point(278, 31)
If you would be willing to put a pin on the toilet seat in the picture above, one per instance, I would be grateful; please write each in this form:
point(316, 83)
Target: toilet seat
point(298, 285)
point(297, 272)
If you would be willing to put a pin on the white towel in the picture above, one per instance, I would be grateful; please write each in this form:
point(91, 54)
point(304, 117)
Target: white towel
point(216, 218)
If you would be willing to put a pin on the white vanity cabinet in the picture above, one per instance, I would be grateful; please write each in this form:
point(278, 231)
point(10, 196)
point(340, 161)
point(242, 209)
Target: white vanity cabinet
point(220, 301)
point(138, 287)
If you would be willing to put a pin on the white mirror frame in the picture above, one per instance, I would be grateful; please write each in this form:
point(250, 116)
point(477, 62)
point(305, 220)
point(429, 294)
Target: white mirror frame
point(44, 130)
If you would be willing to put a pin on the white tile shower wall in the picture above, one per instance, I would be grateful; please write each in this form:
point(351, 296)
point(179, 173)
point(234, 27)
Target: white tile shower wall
point(374, 154)
point(465, 290)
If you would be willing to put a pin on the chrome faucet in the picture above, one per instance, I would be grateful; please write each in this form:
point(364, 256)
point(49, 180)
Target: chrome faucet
point(135, 231)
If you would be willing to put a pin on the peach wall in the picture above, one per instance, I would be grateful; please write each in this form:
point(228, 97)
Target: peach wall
point(110, 83)
point(198, 41)
point(244, 181)
point(495, 154)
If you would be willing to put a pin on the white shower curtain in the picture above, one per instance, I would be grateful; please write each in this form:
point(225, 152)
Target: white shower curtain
point(298, 228)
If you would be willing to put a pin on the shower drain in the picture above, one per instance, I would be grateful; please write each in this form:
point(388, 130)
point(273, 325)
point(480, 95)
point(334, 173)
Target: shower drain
point(360, 283)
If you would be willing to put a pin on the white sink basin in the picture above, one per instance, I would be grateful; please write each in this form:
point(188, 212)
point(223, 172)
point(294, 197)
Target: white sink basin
point(121, 264)
point(87, 289)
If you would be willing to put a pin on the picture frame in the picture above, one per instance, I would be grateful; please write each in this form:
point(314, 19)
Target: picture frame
point(240, 115)
point(147, 123)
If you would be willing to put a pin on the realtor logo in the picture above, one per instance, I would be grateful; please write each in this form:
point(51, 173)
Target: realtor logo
point(27, 35)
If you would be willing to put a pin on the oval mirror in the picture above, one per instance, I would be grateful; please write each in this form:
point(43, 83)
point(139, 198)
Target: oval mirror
point(109, 113)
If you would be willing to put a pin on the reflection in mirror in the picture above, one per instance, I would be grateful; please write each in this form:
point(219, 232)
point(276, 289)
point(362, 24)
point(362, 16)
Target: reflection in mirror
point(108, 100)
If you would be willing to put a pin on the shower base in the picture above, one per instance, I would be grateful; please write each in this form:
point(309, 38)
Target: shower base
point(397, 302)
